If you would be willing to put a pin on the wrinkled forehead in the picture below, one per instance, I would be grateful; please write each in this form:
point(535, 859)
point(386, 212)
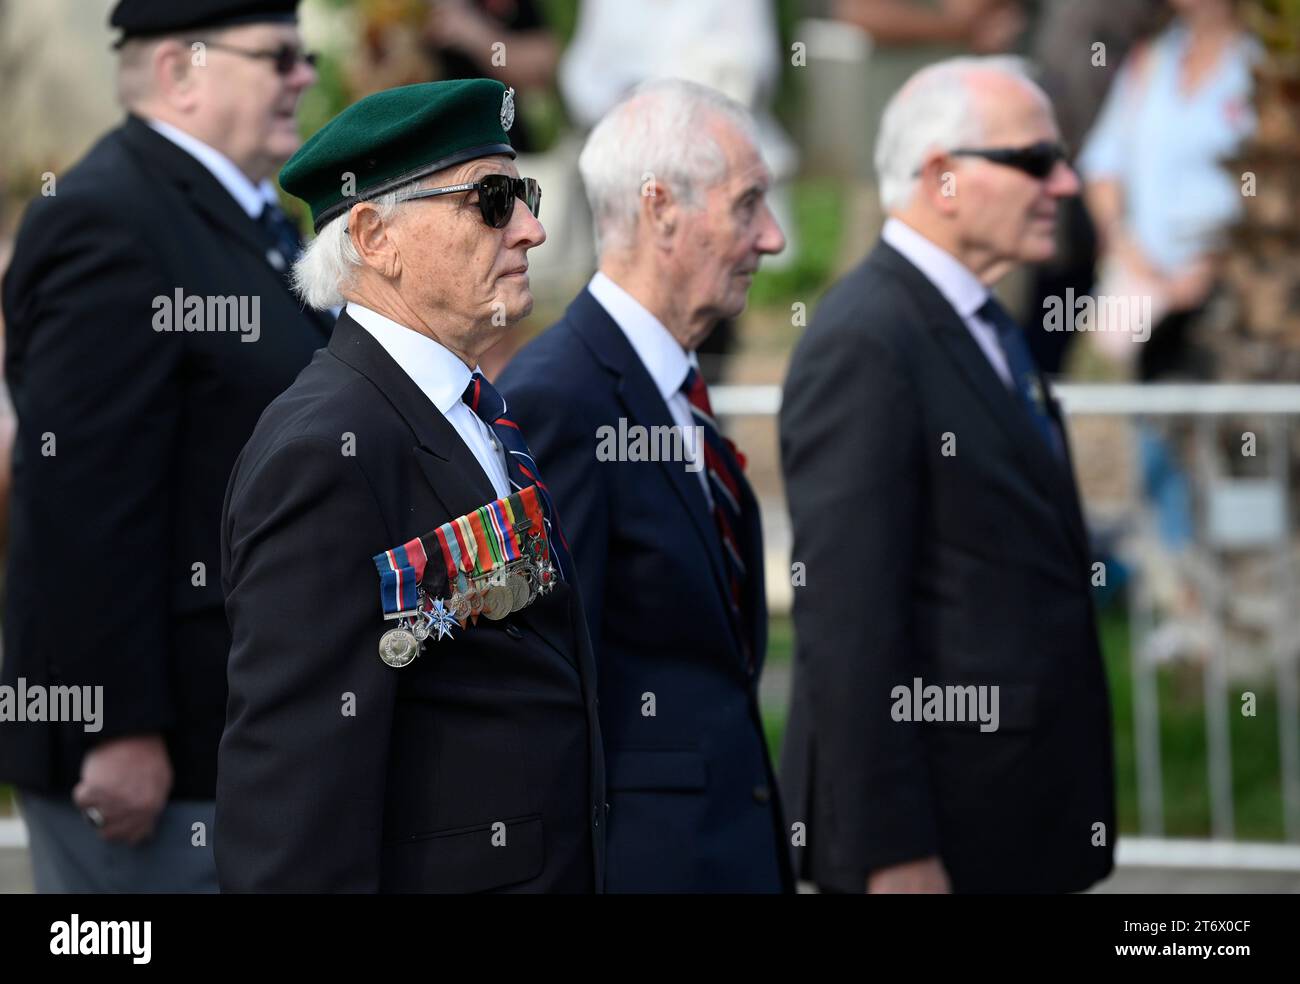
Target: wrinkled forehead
point(745, 164)
point(475, 169)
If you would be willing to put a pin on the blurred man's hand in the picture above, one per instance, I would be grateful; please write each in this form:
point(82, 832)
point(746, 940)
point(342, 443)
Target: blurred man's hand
point(924, 877)
point(127, 781)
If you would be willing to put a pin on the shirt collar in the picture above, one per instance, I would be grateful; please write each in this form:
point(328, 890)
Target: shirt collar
point(252, 198)
point(438, 371)
point(961, 288)
point(661, 354)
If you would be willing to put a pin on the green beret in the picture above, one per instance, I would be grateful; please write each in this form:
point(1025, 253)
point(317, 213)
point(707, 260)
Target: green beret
point(397, 136)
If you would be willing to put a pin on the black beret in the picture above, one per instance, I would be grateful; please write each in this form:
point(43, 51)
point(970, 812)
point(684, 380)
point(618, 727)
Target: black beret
point(146, 18)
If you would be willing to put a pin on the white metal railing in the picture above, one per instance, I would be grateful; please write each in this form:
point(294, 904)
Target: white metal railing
point(1204, 403)
point(1097, 399)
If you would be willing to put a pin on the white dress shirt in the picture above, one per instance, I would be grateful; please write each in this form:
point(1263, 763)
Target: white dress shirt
point(252, 198)
point(961, 288)
point(661, 354)
point(442, 377)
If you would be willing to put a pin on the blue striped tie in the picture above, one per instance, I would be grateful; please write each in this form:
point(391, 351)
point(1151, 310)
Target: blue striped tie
point(490, 407)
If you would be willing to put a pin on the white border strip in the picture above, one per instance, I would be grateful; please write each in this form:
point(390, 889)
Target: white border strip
point(1160, 852)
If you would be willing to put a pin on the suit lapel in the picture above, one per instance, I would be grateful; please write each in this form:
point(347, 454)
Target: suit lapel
point(1052, 477)
point(454, 475)
point(645, 406)
point(210, 199)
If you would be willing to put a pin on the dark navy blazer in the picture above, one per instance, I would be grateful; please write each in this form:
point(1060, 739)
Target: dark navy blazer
point(693, 800)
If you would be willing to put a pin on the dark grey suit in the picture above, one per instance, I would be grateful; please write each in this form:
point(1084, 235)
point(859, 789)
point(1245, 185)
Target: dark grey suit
point(942, 540)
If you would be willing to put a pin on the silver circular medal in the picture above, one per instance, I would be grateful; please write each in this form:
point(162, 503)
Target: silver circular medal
point(421, 628)
point(519, 593)
point(398, 647)
point(497, 600)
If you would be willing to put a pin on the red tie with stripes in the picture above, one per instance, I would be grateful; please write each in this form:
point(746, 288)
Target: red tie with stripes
point(722, 464)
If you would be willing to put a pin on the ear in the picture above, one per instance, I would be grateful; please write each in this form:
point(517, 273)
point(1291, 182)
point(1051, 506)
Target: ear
point(660, 211)
point(938, 182)
point(370, 238)
point(175, 74)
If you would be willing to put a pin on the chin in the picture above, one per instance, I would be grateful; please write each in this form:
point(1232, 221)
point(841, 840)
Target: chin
point(519, 308)
point(1038, 250)
point(734, 306)
point(282, 146)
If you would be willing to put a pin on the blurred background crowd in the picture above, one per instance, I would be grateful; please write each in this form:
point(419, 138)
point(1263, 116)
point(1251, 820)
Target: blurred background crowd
point(1183, 120)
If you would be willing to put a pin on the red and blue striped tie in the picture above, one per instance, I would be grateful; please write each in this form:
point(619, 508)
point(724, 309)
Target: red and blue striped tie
point(490, 407)
point(722, 463)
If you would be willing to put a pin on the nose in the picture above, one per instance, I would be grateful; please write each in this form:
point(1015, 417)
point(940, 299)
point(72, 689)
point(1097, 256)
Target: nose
point(770, 239)
point(1063, 181)
point(302, 76)
point(524, 228)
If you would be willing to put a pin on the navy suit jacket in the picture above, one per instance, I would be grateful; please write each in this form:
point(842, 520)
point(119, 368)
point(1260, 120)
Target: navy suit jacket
point(693, 800)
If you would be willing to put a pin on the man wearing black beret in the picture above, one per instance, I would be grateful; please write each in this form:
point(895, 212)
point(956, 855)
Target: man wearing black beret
point(150, 322)
point(412, 689)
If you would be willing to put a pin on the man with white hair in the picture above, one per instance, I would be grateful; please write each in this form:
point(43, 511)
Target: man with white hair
point(386, 504)
point(141, 283)
point(950, 726)
point(665, 528)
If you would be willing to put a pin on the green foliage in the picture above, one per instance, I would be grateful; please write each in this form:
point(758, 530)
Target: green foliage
point(328, 97)
point(1257, 793)
point(1278, 24)
point(819, 209)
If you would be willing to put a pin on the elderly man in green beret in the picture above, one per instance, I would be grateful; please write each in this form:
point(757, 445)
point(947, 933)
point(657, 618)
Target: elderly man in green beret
point(412, 698)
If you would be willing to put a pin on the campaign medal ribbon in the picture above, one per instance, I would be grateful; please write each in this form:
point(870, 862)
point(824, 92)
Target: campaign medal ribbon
point(496, 559)
point(401, 570)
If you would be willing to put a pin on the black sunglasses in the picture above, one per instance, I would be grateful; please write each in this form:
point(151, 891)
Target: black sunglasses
point(285, 57)
point(496, 196)
point(1036, 160)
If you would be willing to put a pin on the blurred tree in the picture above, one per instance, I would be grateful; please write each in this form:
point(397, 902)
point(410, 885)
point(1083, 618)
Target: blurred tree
point(1263, 272)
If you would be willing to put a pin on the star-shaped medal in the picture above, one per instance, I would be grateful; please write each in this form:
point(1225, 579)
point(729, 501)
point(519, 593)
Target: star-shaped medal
point(440, 619)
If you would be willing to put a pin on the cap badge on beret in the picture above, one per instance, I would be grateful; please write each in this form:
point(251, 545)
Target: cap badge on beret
point(508, 109)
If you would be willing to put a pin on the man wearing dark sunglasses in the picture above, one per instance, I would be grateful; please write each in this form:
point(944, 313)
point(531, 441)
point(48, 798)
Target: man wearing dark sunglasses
point(175, 203)
point(929, 481)
point(478, 767)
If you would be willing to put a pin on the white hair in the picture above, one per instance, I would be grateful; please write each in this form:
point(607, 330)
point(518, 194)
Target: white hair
point(330, 262)
point(936, 108)
point(659, 132)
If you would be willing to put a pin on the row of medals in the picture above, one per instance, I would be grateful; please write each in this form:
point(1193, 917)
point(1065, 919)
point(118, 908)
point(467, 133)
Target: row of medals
point(495, 595)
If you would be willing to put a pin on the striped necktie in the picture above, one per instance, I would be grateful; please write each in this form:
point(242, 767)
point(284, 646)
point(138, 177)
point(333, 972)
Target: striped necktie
point(1027, 383)
point(721, 462)
point(490, 407)
point(285, 245)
